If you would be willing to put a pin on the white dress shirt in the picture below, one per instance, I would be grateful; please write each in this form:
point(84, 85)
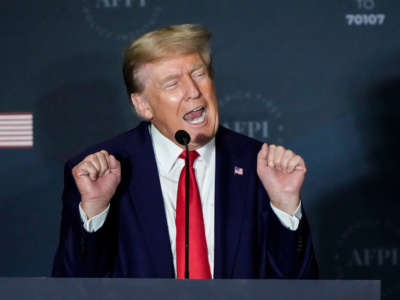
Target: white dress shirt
point(169, 168)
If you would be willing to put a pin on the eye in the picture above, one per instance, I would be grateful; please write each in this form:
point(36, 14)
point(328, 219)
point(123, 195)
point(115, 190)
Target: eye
point(170, 85)
point(199, 74)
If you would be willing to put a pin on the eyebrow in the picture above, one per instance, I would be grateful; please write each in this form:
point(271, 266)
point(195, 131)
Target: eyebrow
point(197, 67)
point(169, 77)
point(176, 75)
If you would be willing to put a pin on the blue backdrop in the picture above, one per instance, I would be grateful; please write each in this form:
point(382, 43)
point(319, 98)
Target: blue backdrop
point(320, 77)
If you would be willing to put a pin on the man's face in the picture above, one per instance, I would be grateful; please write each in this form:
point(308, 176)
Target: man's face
point(179, 94)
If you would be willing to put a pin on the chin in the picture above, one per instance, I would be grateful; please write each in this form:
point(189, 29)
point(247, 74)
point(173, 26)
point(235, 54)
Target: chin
point(199, 139)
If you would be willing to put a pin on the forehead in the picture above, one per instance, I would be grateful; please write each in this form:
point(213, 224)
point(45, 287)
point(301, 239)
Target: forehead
point(173, 65)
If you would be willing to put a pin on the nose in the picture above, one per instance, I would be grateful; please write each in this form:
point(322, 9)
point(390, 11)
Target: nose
point(192, 89)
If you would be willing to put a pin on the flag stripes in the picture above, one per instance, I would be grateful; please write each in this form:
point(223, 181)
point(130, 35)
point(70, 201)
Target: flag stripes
point(16, 130)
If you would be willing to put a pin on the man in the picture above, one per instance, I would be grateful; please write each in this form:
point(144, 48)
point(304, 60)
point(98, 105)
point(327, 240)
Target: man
point(123, 207)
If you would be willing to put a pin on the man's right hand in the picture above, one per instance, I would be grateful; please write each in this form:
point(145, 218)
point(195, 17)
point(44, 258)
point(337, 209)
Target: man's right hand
point(97, 178)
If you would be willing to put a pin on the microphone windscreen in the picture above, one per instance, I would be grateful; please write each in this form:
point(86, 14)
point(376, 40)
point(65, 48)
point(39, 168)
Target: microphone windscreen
point(182, 137)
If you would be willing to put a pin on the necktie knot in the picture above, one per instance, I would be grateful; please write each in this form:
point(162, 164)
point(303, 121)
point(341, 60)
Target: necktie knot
point(192, 156)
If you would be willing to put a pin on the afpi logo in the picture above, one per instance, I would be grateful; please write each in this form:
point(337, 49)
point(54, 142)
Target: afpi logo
point(253, 115)
point(121, 19)
point(370, 250)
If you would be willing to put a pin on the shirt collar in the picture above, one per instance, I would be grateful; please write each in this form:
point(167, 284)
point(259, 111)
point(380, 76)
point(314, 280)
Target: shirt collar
point(167, 152)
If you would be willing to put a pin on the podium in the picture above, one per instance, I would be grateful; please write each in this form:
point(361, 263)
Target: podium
point(168, 289)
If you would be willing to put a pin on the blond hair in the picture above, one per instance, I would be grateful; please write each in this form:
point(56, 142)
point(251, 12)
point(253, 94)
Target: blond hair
point(162, 43)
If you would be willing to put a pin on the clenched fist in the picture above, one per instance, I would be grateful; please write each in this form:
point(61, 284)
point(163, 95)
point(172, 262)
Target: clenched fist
point(97, 178)
point(282, 173)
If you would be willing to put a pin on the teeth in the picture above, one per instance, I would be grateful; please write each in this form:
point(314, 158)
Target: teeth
point(196, 109)
point(199, 119)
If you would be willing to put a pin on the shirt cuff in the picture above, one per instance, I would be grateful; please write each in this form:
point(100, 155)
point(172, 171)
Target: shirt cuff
point(288, 221)
point(94, 223)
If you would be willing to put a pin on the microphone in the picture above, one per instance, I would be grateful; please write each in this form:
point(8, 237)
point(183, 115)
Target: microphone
point(183, 138)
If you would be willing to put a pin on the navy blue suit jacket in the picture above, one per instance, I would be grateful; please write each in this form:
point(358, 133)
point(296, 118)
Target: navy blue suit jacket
point(250, 242)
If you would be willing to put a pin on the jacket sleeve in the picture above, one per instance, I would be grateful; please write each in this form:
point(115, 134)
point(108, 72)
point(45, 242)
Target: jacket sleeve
point(80, 253)
point(285, 254)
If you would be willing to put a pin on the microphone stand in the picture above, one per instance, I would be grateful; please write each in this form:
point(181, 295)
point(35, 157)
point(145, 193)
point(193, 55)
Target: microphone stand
point(187, 214)
point(183, 138)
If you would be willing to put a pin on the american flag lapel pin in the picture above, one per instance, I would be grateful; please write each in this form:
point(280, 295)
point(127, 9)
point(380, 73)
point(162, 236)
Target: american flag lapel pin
point(238, 171)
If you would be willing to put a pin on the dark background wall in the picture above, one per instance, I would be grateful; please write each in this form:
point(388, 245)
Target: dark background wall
point(320, 77)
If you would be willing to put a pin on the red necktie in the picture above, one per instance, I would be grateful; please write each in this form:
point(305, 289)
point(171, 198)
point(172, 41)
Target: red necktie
point(199, 267)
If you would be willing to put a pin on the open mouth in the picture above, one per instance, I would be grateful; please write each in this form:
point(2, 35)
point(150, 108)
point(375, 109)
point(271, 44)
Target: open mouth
point(195, 116)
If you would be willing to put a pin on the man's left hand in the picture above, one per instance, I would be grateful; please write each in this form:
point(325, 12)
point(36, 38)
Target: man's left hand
point(282, 172)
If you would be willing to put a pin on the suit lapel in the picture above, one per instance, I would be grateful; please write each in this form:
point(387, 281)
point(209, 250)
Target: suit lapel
point(146, 196)
point(229, 206)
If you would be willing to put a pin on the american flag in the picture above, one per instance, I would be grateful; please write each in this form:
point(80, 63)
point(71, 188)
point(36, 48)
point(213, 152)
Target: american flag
point(16, 130)
point(238, 171)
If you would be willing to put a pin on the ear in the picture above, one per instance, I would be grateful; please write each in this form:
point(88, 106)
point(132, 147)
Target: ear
point(142, 106)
